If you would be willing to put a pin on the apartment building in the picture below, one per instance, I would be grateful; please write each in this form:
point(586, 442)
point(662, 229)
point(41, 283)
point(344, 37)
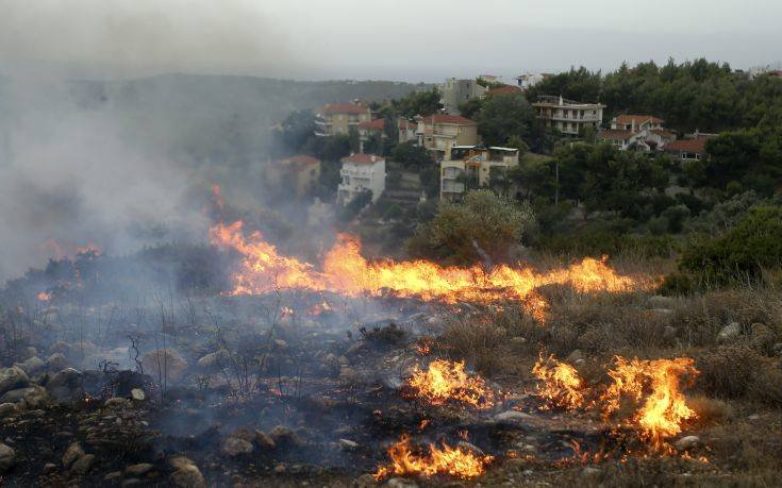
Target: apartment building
point(361, 172)
point(455, 92)
point(567, 116)
point(471, 167)
point(440, 132)
point(338, 118)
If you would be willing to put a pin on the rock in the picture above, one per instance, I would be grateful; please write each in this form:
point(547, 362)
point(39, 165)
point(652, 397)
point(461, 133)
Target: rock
point(218, 359)
point(137, 394)
point(280, 344)
point(470, 447)
point(7, 458)
point(179, 462)
point(347, 444)
point(777, 348)
point(164, 363)
point(365, 481)
point(687, 442)
point(117, 402)
point(33, 396)
point(12, 378)
point(49, 467)
point(188, 476)
point(591, 473)
point(512, 416)
point(32, 365)
point(729, 333)
point(518, 340)
point(285, 437)
point(83, 464)
point(401, 483)
point(659, 301)
point(662, 311)
point(130, 482)
point(139, 469)
point(56, 361)
point(114, 475)
point(264, 441)
point(66, 386)
point(73, 453)
point(7, 409)
point(348, 375)
point(574, 356)
point(233, 446)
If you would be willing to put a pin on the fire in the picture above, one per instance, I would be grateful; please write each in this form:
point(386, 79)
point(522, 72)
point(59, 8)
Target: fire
point(653, 386)
point(43, 296)
point(459, 462)
point(446, 381)
point(561, 384)
point(263, 269)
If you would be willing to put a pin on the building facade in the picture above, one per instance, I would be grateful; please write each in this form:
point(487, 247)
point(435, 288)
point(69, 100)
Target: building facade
point(455, 92)
point(472, 167)
point(360, 173)
point(440, 132)
point(298, 174)
point(643, 133)
point(567, 116)
point(339, 118)
point(691, 148)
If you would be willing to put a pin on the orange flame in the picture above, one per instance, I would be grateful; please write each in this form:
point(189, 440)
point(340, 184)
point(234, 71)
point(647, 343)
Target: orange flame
point(264, 269)
point(561, 384)
point(446, 381)
point(655, 386)
point(43, 296)
point(459, 462)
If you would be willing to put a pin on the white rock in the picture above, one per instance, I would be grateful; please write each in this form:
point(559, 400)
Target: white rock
point(729, 332)
point(138, 394)
point(7, 458)
point(512, 416)
point(12, 378)
point(687, 442)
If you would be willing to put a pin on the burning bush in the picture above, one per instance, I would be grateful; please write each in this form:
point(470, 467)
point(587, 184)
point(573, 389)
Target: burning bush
point(459, 461)
point(446, 381)
point(561, 386)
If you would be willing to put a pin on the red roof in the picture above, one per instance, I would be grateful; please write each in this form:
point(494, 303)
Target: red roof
point(377, 124)
point(447, 119)
point(505, 90)
point(639, 119)
point(361, 158)
point(302, 160)
point(687, 145)
point(615, 135)
point(406, 124)
point(345, 108)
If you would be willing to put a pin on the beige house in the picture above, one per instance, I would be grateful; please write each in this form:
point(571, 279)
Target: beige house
point(297, 174)
point(440, 132)
point(473, 165)
point(636, 123)
point(644, 133)
point(568, 117)
point(691, 148)
point(407, 130)
point(338, 118)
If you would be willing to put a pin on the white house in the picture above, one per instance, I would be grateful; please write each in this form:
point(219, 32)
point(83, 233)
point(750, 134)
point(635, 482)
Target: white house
point(361, 172)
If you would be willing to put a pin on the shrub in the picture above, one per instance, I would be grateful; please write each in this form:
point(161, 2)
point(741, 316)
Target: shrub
point(728, 371)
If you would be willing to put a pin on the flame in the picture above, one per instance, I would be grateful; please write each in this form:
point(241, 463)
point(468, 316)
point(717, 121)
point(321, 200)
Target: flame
point(561, 384)
point(58, 250)
point(459, 462)
point(43, 296)
point(446, 381)
point(263, 269)
point(655, 387)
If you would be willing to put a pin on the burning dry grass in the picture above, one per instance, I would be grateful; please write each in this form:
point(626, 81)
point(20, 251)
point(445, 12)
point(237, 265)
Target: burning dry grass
point(447, 381)
point(457, 461)
point(561, 386)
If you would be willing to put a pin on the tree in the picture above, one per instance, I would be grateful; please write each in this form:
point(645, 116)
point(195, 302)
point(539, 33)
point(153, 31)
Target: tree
point(412, 156)
point(503, 117)
point(471, 108)
point(296, 130)
point(419, 103)
point(484, 226)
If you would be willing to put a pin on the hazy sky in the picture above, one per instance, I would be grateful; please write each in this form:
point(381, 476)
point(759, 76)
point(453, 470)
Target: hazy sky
point(393, 39)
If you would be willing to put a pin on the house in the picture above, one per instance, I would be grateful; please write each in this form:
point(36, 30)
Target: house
point(360, 173)
point(504, 90)
point(691, 148)
point(567, 116)
point(528, 80)
point(368, 129)
point(644, 133)
point(338, 118)
point(472, 165)
point(440, 132)
point(298, 174)
point(455, 92)
point(407, 130)
point(636, 123)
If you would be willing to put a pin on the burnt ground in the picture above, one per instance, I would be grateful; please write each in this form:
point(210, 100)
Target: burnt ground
point(254, 395)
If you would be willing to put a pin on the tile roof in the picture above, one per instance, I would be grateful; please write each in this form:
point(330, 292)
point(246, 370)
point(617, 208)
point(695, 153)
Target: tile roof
point(302, 160)
point(615, 135)
point(377, 124)
point(361, 158)
point(627, 119)
point(687, 145)
point(505, 90)
point(345, 108)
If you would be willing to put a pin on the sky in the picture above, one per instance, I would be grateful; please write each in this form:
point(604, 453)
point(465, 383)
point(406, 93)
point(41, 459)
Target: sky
point(407, 40)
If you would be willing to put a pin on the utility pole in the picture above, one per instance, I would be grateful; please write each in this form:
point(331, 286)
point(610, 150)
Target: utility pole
point(556, 183)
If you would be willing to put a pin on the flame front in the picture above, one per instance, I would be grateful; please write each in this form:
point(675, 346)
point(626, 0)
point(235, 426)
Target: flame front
point(561, 385)
point(458, 462)
point(446, 381)
point(263, 269)
point(655, 386)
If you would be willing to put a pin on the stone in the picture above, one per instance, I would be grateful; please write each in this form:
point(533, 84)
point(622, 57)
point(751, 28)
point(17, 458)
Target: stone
point(280, 344)
point(73, 453)
point(13, 378)
point(32, 365)
point(114, 475)
point(139, 469)
point(365, 481)
point(117, 402)
point(57, 361)
point(138, 395)
point(264, 441)
point(401, 483)
point(687, 442)
point(66, 386)
point(591, 473)
point(347, 444)
point(83, 464)
point(574, 356)
point(470, 447)
point(285, 437)
point(729, 333)
point(233, 446)
point(7, 409)
point(512, 416)
point(33, 396)
point(179, 462)
point(188, 476)
point(218, 359)
point(7, 458)
point(164, 363)
point(49, 467)
point(130, 482)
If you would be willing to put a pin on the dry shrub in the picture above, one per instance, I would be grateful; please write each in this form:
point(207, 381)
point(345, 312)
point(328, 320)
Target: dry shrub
point(766, 386)
point(709, 410)
point(477, 341)
point(727, 372)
